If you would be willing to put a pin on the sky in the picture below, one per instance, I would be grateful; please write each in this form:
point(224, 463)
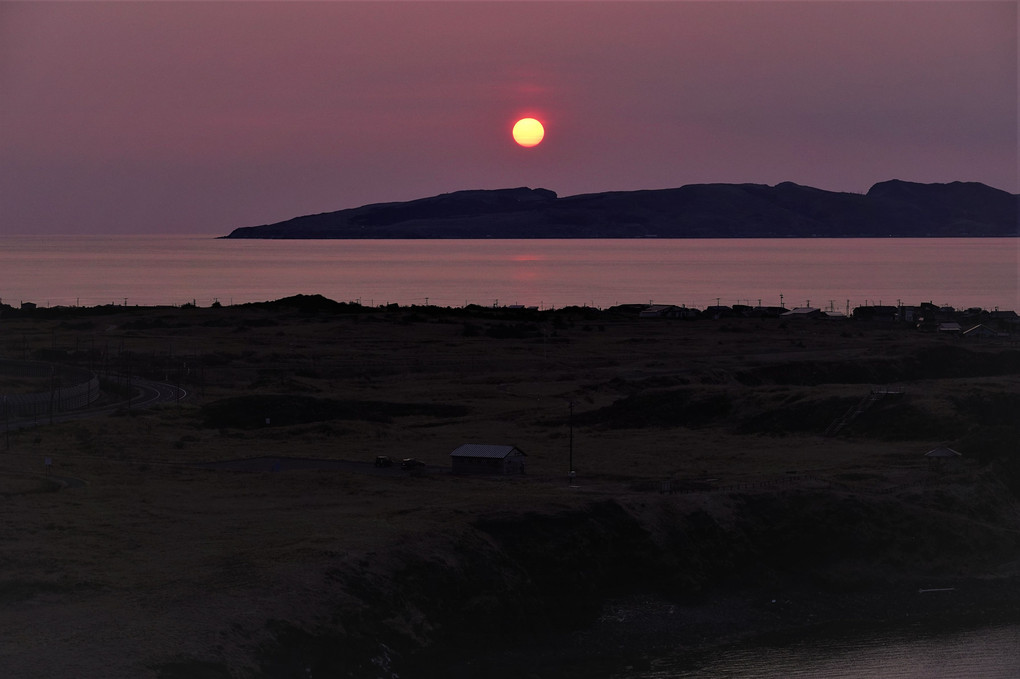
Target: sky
point(200, 117)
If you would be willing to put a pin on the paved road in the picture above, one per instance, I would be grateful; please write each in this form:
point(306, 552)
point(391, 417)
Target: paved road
point(147, 394)
point(152, 393)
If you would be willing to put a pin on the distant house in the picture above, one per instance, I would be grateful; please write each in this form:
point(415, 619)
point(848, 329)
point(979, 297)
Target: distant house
point(941, 459)
point(877, 313)
point(949, 326)
point(1004, 320)
point(768, 311)
point(718, 311)
point(742, 309)
point(979, 332)
point(657, 311)
point(477, 458)
point(803, 312)
point(910, 314)
point(667, 311)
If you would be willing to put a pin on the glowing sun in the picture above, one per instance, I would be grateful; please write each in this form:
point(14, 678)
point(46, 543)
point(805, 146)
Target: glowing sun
point(528, 132)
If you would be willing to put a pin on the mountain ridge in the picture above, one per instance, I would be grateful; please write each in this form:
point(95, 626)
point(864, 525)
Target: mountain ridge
point(893, 208)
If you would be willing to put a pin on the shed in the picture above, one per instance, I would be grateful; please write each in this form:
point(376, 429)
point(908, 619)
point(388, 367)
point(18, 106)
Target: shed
point(942, 458)
point(664, 311)
point(477, 458)
point(979, 332)
point(803, 312)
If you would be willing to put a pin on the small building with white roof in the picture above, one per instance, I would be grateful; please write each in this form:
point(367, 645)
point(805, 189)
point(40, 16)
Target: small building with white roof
point(478, 458)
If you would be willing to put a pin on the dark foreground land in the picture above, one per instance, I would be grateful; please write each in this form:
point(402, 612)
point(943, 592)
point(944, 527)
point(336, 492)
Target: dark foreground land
point(712, 494)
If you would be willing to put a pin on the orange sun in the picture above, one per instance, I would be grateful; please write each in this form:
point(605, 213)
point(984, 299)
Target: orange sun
point(528, 132)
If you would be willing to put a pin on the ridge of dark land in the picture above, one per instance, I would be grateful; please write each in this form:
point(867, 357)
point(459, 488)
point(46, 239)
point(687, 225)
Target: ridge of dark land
point(892, 208)
point(245, 531)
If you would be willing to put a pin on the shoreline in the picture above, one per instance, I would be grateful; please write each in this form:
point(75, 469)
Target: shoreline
point(174, 271)
point(633, 632)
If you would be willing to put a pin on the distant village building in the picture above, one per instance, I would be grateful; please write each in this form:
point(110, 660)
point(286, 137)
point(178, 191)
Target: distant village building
point(1009, 316)
point(979, 332)
point(768, 311)
point(1006, 321)
point(718, 311)
point(880, 313)
point(803, 312)
point(668, 311)
point(476, 458)
point(656, 311)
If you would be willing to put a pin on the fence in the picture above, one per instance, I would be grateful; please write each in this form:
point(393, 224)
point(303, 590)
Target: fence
point(83, 390)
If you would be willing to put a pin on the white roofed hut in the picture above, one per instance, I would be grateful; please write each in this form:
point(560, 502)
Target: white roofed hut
point(477, 458)
point(803, 312)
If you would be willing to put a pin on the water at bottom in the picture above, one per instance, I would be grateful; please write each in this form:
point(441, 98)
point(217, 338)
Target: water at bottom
point(988, 653)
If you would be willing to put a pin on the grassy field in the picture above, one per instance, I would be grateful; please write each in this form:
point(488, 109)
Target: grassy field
point(126, 557)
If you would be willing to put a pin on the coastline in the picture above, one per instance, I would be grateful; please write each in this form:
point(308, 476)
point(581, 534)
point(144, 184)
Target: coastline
point(547, 273)
point(633, 633)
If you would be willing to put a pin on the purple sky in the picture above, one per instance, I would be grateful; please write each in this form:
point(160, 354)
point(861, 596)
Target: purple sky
point(199, 117)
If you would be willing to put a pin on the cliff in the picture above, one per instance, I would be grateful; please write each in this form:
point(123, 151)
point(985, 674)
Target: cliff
point(893, 208)
point(744, 564)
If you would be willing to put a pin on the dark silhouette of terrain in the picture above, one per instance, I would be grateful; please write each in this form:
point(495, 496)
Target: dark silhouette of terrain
point(892, 208)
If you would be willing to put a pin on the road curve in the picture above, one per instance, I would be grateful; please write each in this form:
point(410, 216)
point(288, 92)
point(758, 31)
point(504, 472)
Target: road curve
point(147, 394)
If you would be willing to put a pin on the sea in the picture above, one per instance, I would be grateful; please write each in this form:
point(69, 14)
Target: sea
point(831, 274)
point(991, 652)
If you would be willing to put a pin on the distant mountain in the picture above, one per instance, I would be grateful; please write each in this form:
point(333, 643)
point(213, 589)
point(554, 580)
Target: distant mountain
point(893, 208)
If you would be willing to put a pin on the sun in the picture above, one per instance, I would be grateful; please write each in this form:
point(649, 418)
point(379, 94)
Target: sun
point(528, 132)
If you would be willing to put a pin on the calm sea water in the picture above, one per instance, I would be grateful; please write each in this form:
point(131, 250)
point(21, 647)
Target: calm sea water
point(827, 273)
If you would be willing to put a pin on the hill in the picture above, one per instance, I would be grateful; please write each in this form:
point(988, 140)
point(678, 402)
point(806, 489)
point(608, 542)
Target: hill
point(892, 208)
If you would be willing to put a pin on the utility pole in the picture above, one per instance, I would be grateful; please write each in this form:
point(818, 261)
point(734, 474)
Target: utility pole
point(53, 391)
point(571, 425)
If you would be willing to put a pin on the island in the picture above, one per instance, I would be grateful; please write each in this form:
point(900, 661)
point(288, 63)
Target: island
point(889, 209)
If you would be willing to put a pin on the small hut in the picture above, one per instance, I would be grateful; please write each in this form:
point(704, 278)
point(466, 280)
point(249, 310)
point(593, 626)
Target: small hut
point(941, 459)
point(476, 458)
point(803, 312)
